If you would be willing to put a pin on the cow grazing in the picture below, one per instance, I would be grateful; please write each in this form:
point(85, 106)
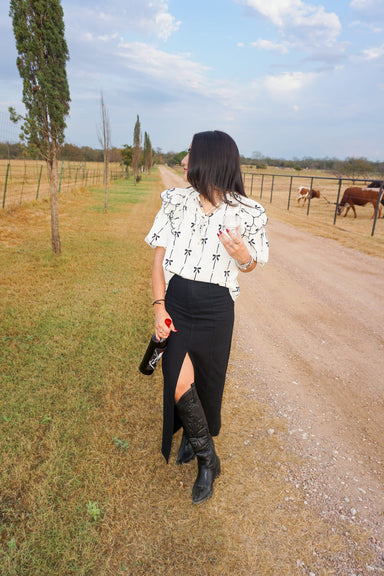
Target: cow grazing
point(355, 196)
point(304, 193)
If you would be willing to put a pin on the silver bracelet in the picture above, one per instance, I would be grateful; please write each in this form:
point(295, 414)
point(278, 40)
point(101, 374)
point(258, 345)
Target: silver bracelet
point(246, 265)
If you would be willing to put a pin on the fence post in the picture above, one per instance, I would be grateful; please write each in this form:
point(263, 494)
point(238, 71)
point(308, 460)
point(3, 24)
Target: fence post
point(262, 184)
point(310, 196)
point(337, 201)
point(273, 180)
point(251, 184)
point(290, 192)
point(38, 182)
point(379, 198)
point(5, 184)
point(61, 175)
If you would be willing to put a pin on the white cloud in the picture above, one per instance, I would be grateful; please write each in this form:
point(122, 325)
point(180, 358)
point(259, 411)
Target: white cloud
point(358, 4)
point(149, 17)
point(373, 53)
point(175, 72)
point(288, 83)
point(157, 63)
point(271, 46)
point(301, 22)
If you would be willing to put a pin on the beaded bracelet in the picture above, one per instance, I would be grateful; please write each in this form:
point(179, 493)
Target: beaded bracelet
point(158, 301)
point(246, 265)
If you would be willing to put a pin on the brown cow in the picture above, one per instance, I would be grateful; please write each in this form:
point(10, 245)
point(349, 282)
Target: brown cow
point(355, 196)
point(304, 193)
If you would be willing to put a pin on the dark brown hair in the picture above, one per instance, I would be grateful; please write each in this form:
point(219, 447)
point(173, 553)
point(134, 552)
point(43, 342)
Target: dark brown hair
point(214, 165)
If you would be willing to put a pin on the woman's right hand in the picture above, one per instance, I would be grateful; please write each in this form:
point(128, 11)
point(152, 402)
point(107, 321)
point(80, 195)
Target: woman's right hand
point(163, 322)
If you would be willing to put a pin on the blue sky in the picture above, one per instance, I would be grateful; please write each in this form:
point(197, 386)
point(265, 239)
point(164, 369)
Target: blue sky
point(286, 78)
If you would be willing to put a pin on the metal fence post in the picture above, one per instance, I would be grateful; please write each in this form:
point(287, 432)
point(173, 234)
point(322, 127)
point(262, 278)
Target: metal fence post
point(262, 184)
point(5, 184)
point(290, 191)
point(38, 182)
point(337, 201)
point(310, 196)
point(273, 181)
point(379, 198)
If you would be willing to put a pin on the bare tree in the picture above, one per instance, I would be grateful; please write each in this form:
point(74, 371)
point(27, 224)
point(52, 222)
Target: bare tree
point(104, 137)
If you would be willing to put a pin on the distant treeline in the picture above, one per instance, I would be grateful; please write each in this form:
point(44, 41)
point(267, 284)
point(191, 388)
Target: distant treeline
point(354, 167)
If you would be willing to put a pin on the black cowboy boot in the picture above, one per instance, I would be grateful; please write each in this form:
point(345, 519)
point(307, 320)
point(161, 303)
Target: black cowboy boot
point(186, 453)
point(196, 429)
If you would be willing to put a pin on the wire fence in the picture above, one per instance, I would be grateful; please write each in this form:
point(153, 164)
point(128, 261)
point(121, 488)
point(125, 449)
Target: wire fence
point(27, 180)
point(24, 180)
point(282, 189)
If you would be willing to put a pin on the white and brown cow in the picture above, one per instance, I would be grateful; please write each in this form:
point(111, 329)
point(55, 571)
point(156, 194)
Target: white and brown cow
point(304, 193)
point(356, 196)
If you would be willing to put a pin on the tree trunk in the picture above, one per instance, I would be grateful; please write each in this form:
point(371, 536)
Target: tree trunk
point(106, 172)
point(54, 193)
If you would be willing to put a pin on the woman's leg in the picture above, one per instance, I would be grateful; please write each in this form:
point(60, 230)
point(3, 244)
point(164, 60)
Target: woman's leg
point(186, 378)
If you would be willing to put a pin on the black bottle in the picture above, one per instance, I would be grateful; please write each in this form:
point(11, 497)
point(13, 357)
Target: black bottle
point(152, 355)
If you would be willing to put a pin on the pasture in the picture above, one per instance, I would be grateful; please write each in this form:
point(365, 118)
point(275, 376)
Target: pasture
point(27, 180)
point(319, 220)
point(84, 490)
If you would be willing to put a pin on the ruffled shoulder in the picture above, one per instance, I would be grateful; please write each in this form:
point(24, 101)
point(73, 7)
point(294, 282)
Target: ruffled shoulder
point(174, 205)
point(252, 213)
point(173, 196)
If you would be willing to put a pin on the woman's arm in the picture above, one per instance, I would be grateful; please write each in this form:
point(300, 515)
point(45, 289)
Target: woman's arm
point(158, 290)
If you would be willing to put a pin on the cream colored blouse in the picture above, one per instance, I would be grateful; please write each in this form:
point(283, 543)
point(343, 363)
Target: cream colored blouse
point(192, 247)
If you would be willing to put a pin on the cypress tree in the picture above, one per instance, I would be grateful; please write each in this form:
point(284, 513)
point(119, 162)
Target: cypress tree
point(38, 27)
point(136, 149)
point(147, 153)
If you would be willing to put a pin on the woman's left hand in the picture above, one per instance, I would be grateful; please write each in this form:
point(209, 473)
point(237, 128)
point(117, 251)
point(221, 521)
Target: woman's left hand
point(234, 245)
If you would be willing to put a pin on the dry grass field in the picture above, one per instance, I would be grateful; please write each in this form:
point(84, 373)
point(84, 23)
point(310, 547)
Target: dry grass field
point(26, 180)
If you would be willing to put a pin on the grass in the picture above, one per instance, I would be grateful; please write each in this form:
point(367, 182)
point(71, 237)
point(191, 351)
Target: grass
point(83, 487)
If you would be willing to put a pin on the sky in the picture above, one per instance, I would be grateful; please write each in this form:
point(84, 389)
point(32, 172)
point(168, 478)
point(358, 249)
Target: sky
point(285, 78)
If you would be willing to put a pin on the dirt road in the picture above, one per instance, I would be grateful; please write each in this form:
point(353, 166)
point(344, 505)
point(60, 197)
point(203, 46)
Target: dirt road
point(309, 339)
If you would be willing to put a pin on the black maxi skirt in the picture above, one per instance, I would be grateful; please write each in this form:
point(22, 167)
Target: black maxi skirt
point(203, 314)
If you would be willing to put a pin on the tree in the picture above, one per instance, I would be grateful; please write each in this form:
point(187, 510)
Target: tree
point(136, 149)
point(127, 157)
point(38, 27)
point(147, 153)
point(104, 136)
point(356, 167)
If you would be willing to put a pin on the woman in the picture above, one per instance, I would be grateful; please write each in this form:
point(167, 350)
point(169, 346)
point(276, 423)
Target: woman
point(198, 254)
